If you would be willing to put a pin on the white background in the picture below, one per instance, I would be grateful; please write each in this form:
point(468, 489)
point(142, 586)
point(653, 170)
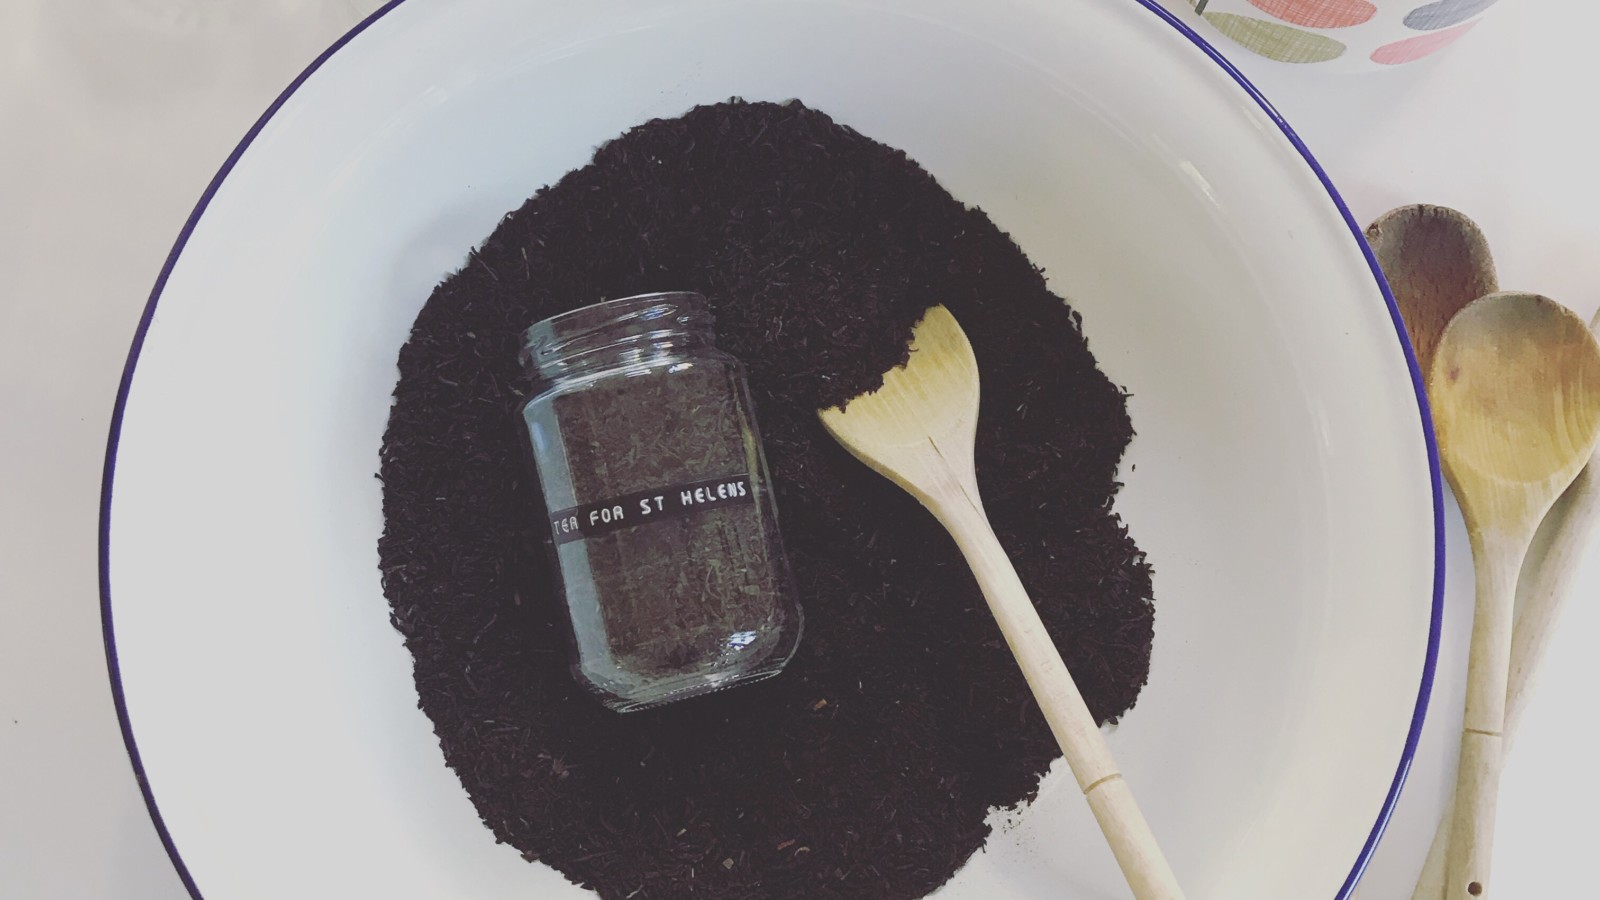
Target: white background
point(115, 113)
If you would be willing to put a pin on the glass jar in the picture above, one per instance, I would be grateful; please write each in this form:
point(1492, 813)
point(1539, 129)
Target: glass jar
point(662, 519)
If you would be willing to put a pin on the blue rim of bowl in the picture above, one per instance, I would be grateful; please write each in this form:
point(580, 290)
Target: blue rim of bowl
point(1408, 755)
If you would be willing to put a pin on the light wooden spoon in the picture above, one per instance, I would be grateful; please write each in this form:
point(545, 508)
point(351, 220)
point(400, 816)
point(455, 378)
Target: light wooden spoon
point(918, 431)
point(1436, 262)
point(1515, 387)
point(1543, 591)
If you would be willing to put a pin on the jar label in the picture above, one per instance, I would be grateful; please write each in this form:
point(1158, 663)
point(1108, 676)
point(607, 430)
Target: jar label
point(641, 507)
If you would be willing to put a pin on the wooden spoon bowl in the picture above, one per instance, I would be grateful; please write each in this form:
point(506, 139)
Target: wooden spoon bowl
point(1516, 395)
point(1436, 261)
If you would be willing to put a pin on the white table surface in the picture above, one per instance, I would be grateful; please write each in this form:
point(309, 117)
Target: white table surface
point(115, 113)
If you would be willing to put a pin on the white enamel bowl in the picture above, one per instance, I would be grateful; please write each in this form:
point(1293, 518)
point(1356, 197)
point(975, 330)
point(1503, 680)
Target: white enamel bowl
point(1281, 480)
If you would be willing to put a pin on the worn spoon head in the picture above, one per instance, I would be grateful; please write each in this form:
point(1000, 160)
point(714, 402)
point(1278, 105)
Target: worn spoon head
point(1436, 262)
point(932, 399)
point(1515, 388)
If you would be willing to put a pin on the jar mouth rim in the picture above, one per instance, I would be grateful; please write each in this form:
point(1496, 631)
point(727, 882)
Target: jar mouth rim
point(654, 305)
point(611, 325)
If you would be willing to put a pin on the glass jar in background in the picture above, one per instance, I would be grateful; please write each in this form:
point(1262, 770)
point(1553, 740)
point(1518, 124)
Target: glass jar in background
point(662, 521)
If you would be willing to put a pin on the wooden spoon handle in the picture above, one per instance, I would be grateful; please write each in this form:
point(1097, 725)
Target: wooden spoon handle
point(1497, 557)
point(1549, 586)
point(1472, 816)
point(1131, 840)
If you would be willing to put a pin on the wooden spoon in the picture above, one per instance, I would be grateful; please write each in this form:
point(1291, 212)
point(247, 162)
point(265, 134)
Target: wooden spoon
point(918, 431)
point(1515, 387)
point(1436, 262)
point(1543, 593)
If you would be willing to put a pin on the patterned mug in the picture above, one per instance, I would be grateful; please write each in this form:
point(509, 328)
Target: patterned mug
point(1342, 35)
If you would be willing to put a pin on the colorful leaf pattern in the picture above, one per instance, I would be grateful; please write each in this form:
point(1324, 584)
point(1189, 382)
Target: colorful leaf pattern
point(1445, 13)
point(1443, 20)
point(1417, 47)
point(1318, 13)
point(1274, 41)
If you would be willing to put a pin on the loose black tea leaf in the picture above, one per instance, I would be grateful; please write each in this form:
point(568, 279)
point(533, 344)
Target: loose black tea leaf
point(866, 769)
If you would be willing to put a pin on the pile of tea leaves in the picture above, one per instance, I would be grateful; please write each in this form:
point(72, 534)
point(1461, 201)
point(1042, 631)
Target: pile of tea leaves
point(867, 768)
